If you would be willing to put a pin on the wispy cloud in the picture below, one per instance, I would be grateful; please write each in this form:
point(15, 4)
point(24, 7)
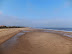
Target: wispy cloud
point(56, 22)
point(10, 20)
point(1, 12)
point(67, 4)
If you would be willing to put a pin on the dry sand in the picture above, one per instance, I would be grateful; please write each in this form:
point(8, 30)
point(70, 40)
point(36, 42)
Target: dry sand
point(37, 42)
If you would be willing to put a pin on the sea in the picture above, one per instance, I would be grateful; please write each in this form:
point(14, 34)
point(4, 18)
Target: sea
point(63, 31)
point(60, 29)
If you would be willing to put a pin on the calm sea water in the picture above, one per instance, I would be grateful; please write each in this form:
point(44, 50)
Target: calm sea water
point(63, 29)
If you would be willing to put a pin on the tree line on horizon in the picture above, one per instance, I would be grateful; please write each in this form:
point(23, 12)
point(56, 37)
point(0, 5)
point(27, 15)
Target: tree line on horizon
point(11, 27)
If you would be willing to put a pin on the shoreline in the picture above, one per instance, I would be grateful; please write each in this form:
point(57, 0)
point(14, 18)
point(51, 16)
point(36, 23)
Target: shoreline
point(6, 34)
point(7, 37)
point(60, 32)
point(35, 41)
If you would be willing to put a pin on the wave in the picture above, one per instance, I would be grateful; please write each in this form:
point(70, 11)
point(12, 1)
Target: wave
point(61, 32)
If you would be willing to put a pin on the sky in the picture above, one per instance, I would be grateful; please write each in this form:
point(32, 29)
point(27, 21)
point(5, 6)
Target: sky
point(36, 13)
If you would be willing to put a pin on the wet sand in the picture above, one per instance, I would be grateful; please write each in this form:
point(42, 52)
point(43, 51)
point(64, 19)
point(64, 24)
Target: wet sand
point(5, 34)
point(36, 42)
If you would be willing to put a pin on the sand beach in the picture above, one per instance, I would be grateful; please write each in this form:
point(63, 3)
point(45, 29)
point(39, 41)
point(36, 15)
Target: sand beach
point(33, 41)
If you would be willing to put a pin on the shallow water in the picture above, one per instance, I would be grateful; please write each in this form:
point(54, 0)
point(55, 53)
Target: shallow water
point(26, 31)
point(12, 40)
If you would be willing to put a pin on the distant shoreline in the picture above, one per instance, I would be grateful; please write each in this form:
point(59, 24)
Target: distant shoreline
point(2, 27)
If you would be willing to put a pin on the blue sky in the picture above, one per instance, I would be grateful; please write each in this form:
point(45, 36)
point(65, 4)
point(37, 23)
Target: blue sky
point(36, 13)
